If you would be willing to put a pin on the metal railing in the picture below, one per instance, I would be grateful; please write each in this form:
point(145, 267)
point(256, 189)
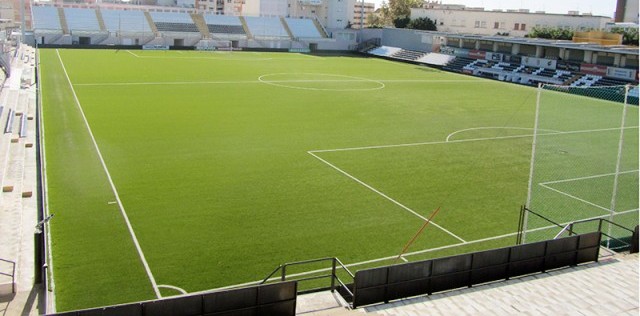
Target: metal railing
point(12, 274)
point(569, 228)
point(335, 263)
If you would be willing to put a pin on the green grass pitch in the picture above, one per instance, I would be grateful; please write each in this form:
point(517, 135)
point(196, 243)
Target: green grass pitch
point(229, 164)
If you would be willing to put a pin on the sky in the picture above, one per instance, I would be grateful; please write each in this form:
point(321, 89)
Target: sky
point(596, 7)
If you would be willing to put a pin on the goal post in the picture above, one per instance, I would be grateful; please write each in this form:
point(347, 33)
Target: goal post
point(584, 161)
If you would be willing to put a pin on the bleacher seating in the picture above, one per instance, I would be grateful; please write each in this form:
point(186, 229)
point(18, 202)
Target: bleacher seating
point(79, 19)
point(409, 55)
point(436, 59)
point(384, 51)
point(303, 28)
point(125, 21)
point(266, 27)
point(174, 22)
point(605, 81)
point(458, 64)
point(586, 81)
point(46, 18)
point(224, 24)
point(176, 27)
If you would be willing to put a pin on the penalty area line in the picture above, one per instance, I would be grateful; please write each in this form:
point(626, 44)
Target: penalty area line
point(113, 186)
point(385, 196)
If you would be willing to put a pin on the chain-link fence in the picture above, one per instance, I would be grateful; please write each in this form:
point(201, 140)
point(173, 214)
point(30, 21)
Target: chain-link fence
point(584, 161)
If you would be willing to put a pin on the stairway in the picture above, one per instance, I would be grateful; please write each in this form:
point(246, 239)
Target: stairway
point(199, 21)
point(321, 29)
point(245, 27)
point(286, 27)
point(63, 21)
point(152, 25)
point(103, 27)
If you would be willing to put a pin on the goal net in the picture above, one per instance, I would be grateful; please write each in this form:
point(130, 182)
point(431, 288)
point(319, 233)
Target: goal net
point(584, 165)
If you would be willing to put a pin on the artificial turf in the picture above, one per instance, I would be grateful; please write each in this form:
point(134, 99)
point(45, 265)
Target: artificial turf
point(229, 164)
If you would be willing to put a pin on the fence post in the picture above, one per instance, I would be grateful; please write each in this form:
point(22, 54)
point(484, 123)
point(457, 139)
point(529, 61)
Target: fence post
point(571, 229)
point(614, 194)
point(525, 220)
point(284, 273)
point(333, 275)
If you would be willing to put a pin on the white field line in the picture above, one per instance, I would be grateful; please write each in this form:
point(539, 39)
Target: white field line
point(51, 299)
point(173, 288)
point(494, 127)
point(311, 56)
point(588, 177)
point(113, 187)
point(159, 83)
point(465, 140)
point(256, 81)
point(355, 264)
point(544, 185)
point(213, 58)
point(574, 197)
point(385, 196)
point(132, 53)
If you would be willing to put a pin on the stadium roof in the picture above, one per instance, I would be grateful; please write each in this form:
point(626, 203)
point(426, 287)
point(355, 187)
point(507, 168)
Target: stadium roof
point(621, 49)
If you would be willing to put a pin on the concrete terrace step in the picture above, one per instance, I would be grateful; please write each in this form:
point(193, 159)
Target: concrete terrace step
point(607, 287)
point(18, 212)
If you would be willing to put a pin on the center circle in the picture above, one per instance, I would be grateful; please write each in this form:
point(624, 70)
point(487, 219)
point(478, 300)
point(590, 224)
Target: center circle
point(320, 82)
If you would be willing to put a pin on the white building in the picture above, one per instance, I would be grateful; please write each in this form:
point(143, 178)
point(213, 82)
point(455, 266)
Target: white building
point(334, 14)
point(461, 19)
point(361, 14)
point(627, 11)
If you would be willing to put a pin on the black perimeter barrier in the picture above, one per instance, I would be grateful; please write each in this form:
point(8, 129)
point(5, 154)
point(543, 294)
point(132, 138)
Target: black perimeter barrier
point(270, 299)
point(635, 243)
point(426, 277)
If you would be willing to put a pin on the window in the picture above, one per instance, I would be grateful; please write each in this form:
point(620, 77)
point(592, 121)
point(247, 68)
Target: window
point(477, 24)
point(483, 24)
point(496, 25)
point(516, 26)
point(523, 27)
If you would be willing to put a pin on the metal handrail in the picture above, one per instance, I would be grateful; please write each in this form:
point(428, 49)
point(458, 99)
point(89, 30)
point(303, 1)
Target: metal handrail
point(569, 228)
point(333, 275)
point(12, 275)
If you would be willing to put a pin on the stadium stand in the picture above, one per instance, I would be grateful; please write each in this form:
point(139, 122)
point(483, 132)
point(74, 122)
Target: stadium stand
point(46, 19)
point(174, 22)
point(410, 55)
point(79, 19)
point(303, 28)
point(435, 59)
point(384, 51)
point(224, 24)
point(505, 71)
point(266, 27)
point(458, 64)
point(125, 21)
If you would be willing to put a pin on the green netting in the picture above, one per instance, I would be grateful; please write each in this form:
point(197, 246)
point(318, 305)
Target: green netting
point(585, 161)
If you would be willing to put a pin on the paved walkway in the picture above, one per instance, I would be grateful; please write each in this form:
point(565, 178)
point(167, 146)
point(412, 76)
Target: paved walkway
point(18, 201)
point(608, 287)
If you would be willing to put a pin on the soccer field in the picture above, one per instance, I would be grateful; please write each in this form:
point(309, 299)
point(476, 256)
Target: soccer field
point(172, 171)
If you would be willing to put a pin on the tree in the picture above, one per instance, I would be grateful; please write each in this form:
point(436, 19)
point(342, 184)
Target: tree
point(402, 8)
point(382, 16)
point(401, 22)
point(423, 24)
point(551, 33)
point(629, 36)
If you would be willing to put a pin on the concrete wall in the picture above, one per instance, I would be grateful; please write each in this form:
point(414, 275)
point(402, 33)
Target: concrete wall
point(491, 23)
point(408, 39)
